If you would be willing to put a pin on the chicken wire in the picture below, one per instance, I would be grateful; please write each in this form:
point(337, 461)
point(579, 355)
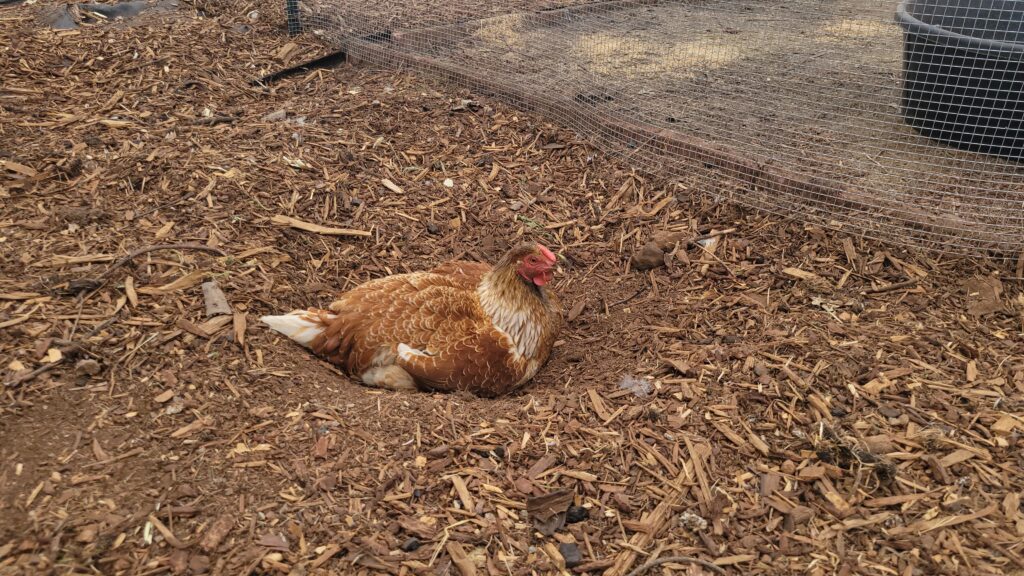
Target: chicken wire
point(796, 107)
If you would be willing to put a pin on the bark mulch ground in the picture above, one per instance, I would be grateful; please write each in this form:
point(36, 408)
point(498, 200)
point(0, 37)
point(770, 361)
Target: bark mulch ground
point(768, 398)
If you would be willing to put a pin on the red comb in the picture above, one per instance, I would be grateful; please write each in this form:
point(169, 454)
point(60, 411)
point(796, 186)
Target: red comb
point(547, 253)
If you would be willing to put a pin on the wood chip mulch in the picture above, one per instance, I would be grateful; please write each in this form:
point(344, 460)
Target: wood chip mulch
point(734, 393)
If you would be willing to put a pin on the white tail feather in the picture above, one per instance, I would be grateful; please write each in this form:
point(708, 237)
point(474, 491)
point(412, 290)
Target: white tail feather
point(299, 325)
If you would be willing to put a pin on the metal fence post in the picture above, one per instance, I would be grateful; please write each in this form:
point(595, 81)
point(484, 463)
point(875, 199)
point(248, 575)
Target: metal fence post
point(292, 9)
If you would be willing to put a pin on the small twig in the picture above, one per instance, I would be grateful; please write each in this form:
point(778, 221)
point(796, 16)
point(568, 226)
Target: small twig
point(675, 560)
point(703, 237)
point(214, 120)
point(118, 458)
point(146, 249)
point(715, 256)
point(78, 315)
point(628, 298)
point(891, 287)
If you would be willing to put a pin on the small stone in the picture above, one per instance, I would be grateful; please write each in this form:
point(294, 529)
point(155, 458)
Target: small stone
point(760, 369)
point(411, 545)
point(576, 514)
point(648, 257)
point(87, 367)
point(449, 183)
point(788, 467)
point(571, 553)
point(432, 228)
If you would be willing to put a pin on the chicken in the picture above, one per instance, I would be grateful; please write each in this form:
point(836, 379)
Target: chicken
point(460, 326)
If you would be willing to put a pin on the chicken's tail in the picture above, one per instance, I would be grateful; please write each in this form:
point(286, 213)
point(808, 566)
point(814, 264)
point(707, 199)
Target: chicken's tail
point(302, 326)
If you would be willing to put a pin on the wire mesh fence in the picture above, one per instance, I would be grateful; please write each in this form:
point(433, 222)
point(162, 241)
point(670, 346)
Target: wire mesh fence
point(902, 122)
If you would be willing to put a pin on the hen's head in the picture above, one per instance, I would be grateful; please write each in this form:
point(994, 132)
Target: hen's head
point(533, 262)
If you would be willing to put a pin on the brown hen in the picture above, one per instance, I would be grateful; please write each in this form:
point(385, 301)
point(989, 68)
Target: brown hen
point(460, 326)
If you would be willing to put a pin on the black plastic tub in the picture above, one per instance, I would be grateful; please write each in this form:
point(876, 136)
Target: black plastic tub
point(963, 64)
